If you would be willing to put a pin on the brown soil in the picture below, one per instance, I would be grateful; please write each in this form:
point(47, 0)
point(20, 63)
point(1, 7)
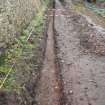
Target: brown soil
point(80, 46)
point(48, 91)
point(83, 72)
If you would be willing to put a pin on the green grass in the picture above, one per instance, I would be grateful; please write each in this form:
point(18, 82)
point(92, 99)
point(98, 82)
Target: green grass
point(15, 51)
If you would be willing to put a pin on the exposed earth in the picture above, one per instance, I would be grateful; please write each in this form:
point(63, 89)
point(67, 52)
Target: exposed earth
point(80, 52)
point(72, 69)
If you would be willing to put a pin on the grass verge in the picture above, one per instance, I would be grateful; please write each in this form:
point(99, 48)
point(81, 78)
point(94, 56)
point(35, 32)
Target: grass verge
point(22, 45)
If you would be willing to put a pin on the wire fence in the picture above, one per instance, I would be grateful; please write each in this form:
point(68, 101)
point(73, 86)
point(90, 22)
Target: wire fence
point(13, 65)
point(5, 78)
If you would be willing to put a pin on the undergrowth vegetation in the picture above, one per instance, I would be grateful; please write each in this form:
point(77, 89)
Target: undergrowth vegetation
point(23, 42)
point(81, 7)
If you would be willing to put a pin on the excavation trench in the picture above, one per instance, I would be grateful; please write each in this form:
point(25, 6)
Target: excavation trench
point(48, 91)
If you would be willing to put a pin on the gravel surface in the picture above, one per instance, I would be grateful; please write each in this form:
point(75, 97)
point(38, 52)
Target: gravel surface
point(82, 62)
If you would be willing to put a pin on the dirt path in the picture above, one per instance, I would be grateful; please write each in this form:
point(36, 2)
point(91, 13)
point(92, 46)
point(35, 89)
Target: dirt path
point(82, 68)
point(48, 88)
point(83, 73)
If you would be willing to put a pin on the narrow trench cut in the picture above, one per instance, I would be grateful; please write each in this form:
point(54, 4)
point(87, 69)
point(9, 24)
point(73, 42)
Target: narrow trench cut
point(48, 88)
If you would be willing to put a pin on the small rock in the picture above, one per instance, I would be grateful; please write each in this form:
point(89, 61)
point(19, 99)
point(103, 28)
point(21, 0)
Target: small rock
point(71, 92)
point(56, 87)
point(62, 61)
